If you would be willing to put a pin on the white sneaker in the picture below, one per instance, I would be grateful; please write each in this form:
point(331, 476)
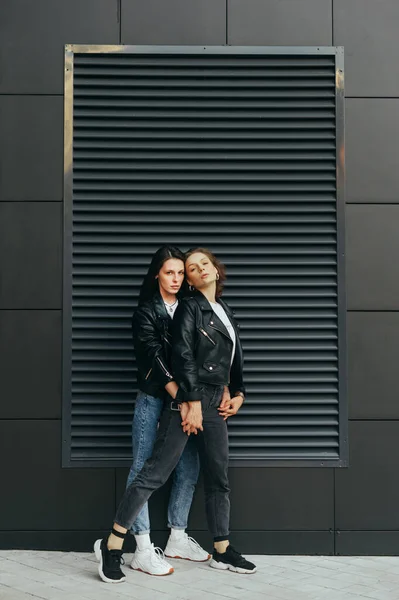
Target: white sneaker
point(151, 561)
point(186, 547)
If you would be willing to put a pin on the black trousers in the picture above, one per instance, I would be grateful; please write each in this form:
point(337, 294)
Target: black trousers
point(170, 443)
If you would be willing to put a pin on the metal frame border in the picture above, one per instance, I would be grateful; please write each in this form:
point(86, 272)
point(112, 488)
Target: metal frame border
point(338, 51)
point(341, 258)
point(67, 260)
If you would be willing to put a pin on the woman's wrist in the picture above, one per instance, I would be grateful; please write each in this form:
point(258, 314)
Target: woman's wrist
point(172, 388)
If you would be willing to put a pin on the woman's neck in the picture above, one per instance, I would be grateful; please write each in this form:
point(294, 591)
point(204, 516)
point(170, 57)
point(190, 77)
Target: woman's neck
point(168, 298)
point(209, 292)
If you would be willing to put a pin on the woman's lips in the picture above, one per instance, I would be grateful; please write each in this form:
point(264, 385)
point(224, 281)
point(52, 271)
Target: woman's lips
point(204, 275)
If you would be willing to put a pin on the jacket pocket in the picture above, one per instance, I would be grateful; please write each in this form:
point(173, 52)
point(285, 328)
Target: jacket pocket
point(208, 337)
point(210, 366)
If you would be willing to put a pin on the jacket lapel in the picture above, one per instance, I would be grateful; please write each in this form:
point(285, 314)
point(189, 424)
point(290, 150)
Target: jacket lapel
point(210, 318)
point(163, 318)
point(159, 306)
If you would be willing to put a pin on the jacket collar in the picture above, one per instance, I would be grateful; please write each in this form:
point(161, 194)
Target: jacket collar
point(159, 306)
point(205, 305)
point(226, 307)
point(202, 301)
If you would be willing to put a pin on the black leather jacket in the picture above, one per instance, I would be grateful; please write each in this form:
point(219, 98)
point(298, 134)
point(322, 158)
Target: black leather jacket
point(202, 348)
point(152, 344)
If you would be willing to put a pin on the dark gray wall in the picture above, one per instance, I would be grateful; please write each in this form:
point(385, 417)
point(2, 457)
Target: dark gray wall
point(274, 510)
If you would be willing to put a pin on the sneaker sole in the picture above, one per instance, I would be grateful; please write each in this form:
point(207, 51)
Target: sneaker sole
point(190, 559)
point(171, 570)
point(224, 567)
point(99, 557)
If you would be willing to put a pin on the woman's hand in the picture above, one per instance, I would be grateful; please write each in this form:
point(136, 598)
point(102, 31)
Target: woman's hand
point(226, 398)
point(192, 420)
point(184, 406)
point(230, 407)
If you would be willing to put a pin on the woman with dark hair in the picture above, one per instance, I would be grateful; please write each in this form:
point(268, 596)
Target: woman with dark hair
point(158, 300)
point(207, 367)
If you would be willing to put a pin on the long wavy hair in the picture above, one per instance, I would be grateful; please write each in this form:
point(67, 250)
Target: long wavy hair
point(216, 263)
point(150, 283)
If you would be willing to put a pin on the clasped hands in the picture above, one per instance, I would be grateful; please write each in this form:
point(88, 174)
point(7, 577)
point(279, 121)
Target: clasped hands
point(191, 412)
point(229, 406)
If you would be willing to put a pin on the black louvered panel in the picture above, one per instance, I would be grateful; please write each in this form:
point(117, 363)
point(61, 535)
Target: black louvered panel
point(234, 152)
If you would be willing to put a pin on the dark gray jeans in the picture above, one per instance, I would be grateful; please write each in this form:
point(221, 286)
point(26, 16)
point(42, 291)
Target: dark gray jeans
point(171, 440)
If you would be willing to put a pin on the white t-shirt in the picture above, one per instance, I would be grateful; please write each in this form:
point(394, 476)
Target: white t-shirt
point(171, 308)
point(221, 313)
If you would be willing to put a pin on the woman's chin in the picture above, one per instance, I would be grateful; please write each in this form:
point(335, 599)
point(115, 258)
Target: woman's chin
point(203, 284)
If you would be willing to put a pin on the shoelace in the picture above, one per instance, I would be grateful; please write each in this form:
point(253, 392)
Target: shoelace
point(194, 543)
point(240, 559)
point(235, 553)
point(115, 560)
point(157, 555)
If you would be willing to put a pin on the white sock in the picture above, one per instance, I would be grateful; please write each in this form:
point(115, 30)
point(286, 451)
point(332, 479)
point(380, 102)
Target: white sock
point(177, 534)
point(143, 541)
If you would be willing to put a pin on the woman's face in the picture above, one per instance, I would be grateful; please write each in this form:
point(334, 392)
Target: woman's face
point(200, 271)
point(171, 276)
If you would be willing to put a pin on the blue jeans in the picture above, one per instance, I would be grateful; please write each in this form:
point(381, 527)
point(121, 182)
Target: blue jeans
point(144, 431)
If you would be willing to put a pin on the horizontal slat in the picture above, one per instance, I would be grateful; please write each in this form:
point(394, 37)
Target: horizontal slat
point(179, 59)
point(165, 145)
point(179, 92)
point(82, 74)
point(254, 168)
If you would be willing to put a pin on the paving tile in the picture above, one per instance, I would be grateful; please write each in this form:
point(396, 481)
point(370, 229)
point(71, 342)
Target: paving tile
point(380, 594)
point(361, 590)
point(10, 594)
point(260, 596)
point(304, 587)
point(287, 593)
point(354, 577)
point(190, 594)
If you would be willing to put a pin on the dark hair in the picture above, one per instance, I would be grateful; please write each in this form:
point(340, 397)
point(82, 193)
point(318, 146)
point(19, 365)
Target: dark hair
point(150, 284)
point(216, 263)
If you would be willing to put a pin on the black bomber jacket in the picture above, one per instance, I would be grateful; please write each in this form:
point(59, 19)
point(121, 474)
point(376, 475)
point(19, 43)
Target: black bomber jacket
point(202, 347)
point(152, 344)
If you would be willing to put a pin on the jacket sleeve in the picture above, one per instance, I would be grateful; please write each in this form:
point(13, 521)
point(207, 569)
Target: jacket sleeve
point(183, 360)
point(236, 379)
point(236, 372)
point(146, 339)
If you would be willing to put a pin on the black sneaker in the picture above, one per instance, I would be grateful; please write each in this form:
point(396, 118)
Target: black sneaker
point(110, 561)
point(231, 560)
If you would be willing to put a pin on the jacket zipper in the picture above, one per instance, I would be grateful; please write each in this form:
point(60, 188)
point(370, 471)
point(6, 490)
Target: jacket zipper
point(207, 336)
point(165, 370)
point(148, 374)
